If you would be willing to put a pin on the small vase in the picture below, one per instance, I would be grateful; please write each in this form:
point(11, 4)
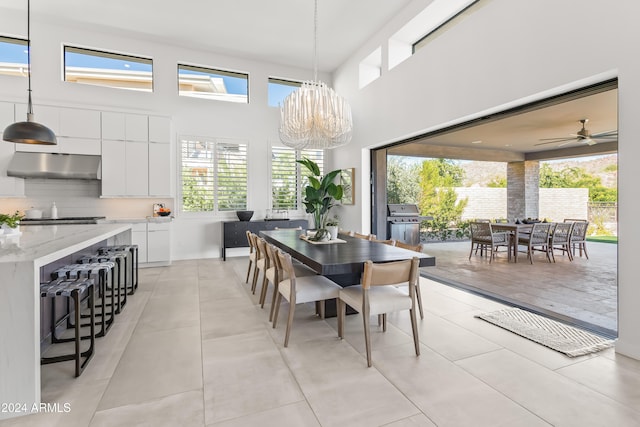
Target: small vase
point(333, 231)
point(8, 230)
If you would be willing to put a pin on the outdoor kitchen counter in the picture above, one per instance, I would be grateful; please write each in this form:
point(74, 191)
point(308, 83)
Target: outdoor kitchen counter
point(21, 258)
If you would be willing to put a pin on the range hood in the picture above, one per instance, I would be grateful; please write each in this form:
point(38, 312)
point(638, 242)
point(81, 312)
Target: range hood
point(54, 165)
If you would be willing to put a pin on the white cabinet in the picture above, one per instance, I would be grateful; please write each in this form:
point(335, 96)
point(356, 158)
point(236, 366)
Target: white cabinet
point(9, 186)
point(77, 130)
point(154, 242)
point(140, 165)
point(159, 242)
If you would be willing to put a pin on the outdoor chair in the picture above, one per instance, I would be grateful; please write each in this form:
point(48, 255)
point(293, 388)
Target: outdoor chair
point(485, 239)
point(561, 239)
point(537, 240)
point(579, 238)
point(378, 295)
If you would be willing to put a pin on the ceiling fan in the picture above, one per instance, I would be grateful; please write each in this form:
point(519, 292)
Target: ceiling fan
point(582, 136)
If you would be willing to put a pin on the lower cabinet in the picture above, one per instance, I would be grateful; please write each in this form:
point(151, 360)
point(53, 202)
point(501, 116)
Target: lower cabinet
point(154, 243)
point(234, 233)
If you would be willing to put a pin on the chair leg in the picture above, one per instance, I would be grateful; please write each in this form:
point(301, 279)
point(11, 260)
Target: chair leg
point(419, 298)
point(277, 310)
point(248, 271)
point(254, 283)
point(583, 247)
point(367, 333)
point(292, 309)
point(263, 292)
point(340, 312)
point(384, 322)
point(414, 329)
point(273, 301)
point(321, 306)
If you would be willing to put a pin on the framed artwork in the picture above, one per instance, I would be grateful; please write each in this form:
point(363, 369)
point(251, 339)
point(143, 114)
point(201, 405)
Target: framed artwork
point(347, 180)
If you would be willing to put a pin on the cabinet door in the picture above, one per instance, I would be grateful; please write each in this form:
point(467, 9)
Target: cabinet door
point(139, 237)
point(159, 169)
point(158, 242)
point(137, 168)
point(114, 178)
point(159, 129)
point(9, 186)
point(77, 123)
point(136, 128)
point(113, 127)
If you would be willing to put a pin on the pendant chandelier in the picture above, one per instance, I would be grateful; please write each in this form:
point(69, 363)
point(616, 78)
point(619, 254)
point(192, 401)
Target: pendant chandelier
point(315, 116)
point(29, 132)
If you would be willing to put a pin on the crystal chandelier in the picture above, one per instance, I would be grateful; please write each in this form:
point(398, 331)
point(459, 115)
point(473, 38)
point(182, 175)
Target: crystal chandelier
point(315, 116)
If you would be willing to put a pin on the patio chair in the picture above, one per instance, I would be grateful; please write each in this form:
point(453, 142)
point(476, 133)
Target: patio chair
point(538, 240)
point(579, 238)
point(560, 239)
point(483, 238)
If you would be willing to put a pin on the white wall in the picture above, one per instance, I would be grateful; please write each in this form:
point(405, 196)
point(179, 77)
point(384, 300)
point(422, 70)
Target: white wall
point(193, 236)
point(506, 52)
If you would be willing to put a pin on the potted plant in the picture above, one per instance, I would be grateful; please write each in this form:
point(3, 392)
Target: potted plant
point(320, 195)
point(331, 224)
point(11, 223)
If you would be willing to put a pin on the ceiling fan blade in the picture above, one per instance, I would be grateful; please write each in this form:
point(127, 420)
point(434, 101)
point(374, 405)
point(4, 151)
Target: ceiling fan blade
point(555, 141)
point(607, 133)
point(566, 142)
point(589, 141)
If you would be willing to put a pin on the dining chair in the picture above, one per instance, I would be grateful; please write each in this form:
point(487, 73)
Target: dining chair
point(252, 253)
point(261, 261)
point(561, 239)
point(273, 273)
point(537, 240)
point(364, 236)
point(300, 290)
point(484, 238)
point(389, 242)
point(416, 248)
point(579, 238)
point(378, 295)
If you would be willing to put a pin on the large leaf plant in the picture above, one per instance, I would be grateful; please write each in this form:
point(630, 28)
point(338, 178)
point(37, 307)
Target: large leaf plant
point(320, 195)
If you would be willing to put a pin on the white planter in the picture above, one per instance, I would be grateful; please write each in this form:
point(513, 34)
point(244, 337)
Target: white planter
point(8, 230)
point(333, 231)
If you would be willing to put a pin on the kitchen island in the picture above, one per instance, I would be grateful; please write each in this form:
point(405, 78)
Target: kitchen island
point(22, 258)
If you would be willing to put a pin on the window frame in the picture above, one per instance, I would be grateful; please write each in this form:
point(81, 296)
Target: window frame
point(282, 82)
point(216, 142)
point(214, 96)
point(20, 67)
point(91, 52)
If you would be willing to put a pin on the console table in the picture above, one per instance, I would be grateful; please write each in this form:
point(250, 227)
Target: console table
point(234, 233)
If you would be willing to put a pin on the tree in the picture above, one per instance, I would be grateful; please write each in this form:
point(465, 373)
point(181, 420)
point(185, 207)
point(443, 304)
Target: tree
point(575, 177)
point(403, 180)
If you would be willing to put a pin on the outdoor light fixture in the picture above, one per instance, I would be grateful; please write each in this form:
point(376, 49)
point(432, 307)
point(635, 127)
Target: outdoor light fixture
point(29, 132)
point(314, 116)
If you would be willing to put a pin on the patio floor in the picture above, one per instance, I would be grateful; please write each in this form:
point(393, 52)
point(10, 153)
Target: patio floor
point(583, 292)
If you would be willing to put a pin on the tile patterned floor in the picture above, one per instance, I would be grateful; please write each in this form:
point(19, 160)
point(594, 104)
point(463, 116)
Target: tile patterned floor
point(194, 349)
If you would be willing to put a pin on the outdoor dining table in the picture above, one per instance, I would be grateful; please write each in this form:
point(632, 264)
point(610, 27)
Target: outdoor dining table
point(342, 262)
point(515, 229)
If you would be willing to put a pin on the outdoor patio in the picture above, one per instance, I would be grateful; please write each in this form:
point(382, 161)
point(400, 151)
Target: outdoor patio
point(583, 292)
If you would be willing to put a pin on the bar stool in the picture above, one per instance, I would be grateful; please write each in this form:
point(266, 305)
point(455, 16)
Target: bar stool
point(103, 275)
point(131, 262)
point(119, 259)
point(72, 289)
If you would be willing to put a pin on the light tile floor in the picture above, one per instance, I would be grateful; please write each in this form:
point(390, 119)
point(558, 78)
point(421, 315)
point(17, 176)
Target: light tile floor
point(194, 349)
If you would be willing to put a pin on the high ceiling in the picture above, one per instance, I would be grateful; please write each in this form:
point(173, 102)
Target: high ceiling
point(276, 31)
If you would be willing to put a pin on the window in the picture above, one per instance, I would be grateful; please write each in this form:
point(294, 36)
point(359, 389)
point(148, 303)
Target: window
point(279, 89)
point(94, 67)
point(370, 67)
point(13, 57)
point(288, 177)
point(214, 174)
point(199, 82)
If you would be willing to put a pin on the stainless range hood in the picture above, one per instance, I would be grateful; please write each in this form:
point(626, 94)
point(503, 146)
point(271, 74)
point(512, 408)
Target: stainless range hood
point(54, 165)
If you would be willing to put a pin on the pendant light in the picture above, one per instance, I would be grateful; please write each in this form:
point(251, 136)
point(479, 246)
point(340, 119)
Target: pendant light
point(315, 116)
point(29, 132)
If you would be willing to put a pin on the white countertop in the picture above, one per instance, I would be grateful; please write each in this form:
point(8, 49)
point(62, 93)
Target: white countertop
point(138, 220)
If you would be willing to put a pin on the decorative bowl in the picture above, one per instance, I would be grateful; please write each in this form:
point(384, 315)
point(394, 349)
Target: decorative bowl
point(244, 215)
point(164, 213)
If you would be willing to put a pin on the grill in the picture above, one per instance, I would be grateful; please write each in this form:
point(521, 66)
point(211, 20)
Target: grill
point(62, 220)
point(403, 223)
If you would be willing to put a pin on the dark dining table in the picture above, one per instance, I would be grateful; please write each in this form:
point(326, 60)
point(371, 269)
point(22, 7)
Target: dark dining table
point(341, 262)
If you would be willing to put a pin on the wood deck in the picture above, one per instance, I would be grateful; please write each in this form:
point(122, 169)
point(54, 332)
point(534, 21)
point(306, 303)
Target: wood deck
point(583, 292)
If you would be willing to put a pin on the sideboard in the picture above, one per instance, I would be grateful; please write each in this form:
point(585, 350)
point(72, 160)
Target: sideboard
point(234, 233)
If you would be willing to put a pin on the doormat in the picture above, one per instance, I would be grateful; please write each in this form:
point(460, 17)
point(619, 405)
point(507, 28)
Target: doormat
point(555, 335)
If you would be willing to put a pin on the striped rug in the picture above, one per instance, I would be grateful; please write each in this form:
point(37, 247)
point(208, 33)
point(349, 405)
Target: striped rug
point(555, 335)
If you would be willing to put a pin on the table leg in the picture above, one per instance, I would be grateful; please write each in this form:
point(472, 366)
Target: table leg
point(515, 245)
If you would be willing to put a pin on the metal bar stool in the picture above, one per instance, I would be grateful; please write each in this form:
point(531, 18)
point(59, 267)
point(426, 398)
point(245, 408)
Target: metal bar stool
point(72, 289)
point(132, 260)
point(119, 259)
point(103, 275)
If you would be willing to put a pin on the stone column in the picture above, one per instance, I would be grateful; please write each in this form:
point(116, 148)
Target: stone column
point(523, 181)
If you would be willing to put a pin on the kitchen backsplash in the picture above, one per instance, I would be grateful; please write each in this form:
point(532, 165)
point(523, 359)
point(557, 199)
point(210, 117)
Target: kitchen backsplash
point(78, 198)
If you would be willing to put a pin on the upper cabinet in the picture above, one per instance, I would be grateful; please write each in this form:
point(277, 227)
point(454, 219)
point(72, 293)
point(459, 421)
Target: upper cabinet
point(136, 155)
point(9, 186)
point(77, 130)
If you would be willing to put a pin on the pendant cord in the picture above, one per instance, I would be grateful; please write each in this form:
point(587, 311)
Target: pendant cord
point(29, 108)
point(315, 41)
